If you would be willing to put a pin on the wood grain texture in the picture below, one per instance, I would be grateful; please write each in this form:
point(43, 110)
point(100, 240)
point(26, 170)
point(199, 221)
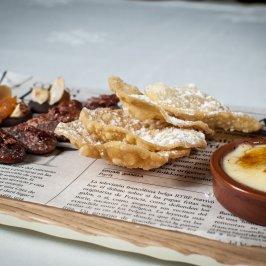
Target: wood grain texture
point(139, 235)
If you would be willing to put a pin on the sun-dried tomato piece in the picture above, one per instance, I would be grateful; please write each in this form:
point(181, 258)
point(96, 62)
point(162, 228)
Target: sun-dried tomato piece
point(103, 101)
point(11, 151)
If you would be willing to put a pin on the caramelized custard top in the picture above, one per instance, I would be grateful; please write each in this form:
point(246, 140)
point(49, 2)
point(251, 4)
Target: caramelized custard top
point(247, 165)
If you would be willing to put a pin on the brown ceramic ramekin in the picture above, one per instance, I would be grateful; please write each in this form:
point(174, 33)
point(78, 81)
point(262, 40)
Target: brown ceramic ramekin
point(241, 200)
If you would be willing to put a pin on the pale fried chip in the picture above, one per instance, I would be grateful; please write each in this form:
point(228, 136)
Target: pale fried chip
point(116, 152)
point(116, 84)
point(78, 136)
point(116, 125)
point(133, 156)
point(141, 107)
point(76, 133)
point(192, 104)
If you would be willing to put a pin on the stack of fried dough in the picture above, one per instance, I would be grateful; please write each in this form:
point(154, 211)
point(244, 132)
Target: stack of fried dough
point(152, 128)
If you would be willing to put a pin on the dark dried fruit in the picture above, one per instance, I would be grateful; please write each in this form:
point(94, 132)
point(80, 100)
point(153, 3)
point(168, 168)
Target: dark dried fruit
point(13, 121)
point(11, 151)
point(43, 122)
point(64, 112)
point(39, 108)
point(34, 140)
point(103, 101)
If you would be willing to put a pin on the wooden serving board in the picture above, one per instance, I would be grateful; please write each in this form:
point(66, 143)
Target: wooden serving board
point(162, 244)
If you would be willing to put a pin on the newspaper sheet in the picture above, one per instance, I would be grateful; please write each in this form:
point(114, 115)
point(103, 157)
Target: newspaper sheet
point(177, 197)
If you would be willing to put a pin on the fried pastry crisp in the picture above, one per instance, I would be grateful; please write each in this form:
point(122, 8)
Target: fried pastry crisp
point(185, 107)
point(77, 134)
point(116, 152)
point(141, 107)
point(117, 125)
point(191, 104)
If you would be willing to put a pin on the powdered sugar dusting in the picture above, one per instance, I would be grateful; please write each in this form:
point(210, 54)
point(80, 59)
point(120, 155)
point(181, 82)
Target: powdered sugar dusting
point(165, 116)
point(190, 103)
point(76, 132)
point(152, 131)
point(188, 98)
point(170, 136)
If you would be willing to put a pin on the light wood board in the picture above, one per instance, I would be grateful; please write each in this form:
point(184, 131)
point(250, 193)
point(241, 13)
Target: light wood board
point(163, 244)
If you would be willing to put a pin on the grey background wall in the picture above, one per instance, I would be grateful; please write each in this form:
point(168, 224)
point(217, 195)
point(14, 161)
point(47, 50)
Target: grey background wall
point(219, 47)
